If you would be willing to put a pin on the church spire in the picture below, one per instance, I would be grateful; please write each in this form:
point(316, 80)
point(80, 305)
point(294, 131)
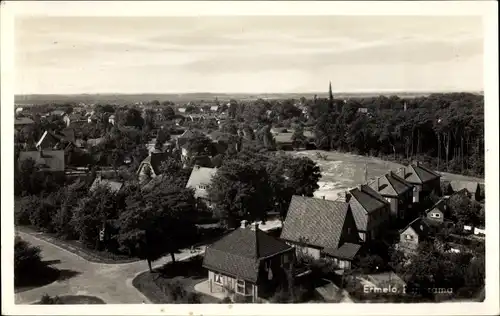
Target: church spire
point(330, 96)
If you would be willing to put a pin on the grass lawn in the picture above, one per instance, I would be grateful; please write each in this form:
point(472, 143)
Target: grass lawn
point(187, 273)
point(76, 299)
point(78, 248)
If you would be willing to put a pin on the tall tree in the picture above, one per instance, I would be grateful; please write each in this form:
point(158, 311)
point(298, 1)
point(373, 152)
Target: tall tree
point(241, 190)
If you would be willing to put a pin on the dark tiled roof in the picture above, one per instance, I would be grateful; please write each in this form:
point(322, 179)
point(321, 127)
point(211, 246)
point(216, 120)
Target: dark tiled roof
point(239, 252)
point(416, 173)
point(319, 221)
point(419, 225)
point(346, 251)
point(51, 160)
point(391, 184)
point(367, 201)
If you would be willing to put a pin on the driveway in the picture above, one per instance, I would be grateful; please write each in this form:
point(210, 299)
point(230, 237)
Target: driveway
point(110, 282)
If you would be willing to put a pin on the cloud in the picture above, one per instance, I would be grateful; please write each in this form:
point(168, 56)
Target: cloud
point(229, 54)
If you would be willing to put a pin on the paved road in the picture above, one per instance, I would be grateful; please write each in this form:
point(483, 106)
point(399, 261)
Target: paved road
point(110, 282)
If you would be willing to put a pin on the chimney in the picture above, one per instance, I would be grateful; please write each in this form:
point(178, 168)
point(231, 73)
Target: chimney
point(378, 183)
point(344, 196)
point(255, 226)
point(243, 224)
point(402, 172)
point(323, 197)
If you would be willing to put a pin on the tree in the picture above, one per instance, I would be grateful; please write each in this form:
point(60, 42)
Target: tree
point(157, 222)
point(168, 113)
point(265, 138)
point(241, 190)
point(132, 118)
point(299, 140)
point(28, 178)
point(91, 214)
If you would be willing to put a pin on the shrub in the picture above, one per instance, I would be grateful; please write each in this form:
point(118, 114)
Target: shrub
point(27, 205)
point(48, 300)
point(177, 294)
point(27, 261)
point(226, 300)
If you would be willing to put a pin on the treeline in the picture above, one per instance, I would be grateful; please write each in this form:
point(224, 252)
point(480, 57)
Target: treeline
point(445, 131)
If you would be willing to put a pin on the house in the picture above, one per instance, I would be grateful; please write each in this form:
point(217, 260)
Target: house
point(371, 211)
point(413, 234)
point(199, 180)
point(248, 262)
point(322, 228)
point(363, 110)
point(21, 122)
point(214, 108)
point(150, 166)
point(182, 110)
point(184, 137)
point(46, 160)
point(423, 179)
point(114, 186)
point(396, 191)
point(476, 189)
point(437, 212)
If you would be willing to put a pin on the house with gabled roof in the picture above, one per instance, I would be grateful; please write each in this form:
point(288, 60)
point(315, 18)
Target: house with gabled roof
point(438, 211)
point(397, 191)
point(371, 211)
point(322, 228)
point(184, 137)
point(423, 179)
point(199, 180)
point(150, 166)
point(412, 235)
point(248, 262)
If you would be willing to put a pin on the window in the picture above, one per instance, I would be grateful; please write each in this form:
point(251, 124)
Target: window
point(240, 287)
point(202, 186)
point(436, 215)
point(217, 278)
point(408, 237)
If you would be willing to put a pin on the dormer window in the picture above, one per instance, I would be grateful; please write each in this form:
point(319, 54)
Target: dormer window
point(408, 237)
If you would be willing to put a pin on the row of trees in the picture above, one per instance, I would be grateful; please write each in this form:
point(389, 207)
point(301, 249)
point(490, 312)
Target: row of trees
point(144, 224)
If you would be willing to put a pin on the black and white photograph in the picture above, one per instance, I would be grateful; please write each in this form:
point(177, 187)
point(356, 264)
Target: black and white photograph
point(248, 159)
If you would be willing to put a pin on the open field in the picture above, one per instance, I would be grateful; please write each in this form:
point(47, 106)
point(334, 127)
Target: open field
point(341, 171)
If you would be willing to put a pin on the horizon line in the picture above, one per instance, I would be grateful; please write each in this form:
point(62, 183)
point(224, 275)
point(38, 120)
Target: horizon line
point(256, 93)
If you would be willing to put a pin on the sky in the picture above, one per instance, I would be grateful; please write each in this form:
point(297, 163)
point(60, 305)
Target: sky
point(229, 54)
